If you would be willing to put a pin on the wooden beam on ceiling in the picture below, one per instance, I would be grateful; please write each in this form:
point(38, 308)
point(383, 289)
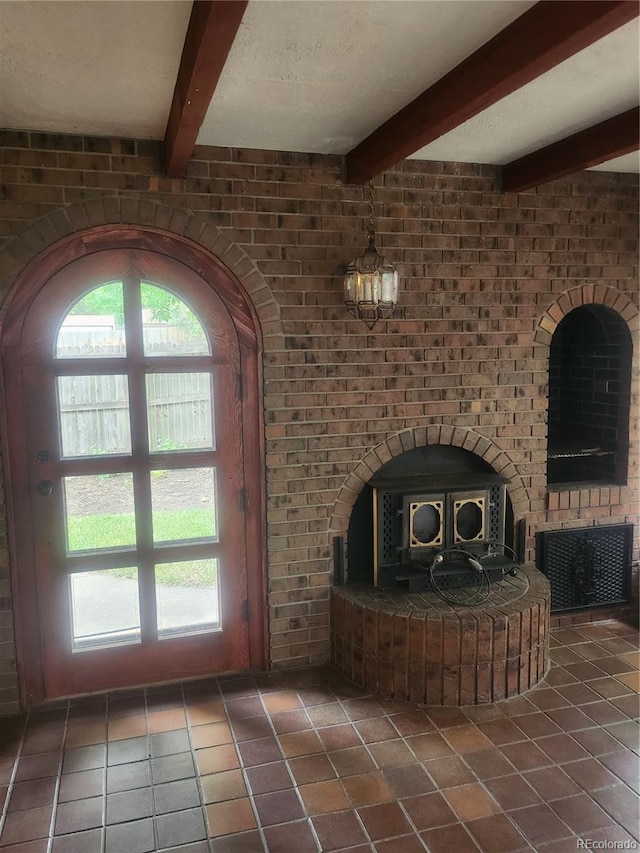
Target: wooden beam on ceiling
point(212, 28)
point(611, 138)
point(545, 35)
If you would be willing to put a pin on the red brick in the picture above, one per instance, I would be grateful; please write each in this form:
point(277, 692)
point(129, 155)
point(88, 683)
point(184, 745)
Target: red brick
point(484, 285)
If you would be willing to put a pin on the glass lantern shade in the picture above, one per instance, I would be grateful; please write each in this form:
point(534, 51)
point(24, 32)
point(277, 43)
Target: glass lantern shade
point(371, 286)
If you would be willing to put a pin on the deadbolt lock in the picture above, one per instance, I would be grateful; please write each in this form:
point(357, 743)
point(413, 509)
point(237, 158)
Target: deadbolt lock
point(44, 456)
point(45, 487)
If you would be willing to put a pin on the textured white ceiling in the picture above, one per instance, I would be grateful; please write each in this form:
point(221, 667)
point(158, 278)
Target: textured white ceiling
point(94, 67)
point(321, 75)
point(599, 82)
point(302, 75)
point(626, 163)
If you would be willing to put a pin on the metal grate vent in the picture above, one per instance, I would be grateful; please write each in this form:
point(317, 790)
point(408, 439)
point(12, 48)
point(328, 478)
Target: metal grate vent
point(586, 567)
point(496, 523)
point(388, 528)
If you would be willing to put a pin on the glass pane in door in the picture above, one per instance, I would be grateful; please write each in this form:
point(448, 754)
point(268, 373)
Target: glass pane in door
point(94, 415)
point(104, 608)
point(187, 597)
point(94, 327)
point(99, 512)
point(169, 326)
point(183, 504)
point(179, 410)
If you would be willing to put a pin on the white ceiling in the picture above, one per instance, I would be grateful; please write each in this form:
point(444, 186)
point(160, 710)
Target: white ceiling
point(302, 75)
point(593, 85)
point(321, 75)
point(100, 68)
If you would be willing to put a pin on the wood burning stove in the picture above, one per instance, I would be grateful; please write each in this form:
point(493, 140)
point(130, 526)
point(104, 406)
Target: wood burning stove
point(442, 531)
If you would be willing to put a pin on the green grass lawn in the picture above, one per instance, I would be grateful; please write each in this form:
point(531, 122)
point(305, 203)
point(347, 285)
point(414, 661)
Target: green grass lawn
point(90, 532)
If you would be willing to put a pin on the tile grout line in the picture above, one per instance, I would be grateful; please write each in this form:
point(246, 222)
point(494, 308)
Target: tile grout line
point(154, 827)
point(295, 786)
point(103, 828)
point(54, 811)
point(14, 773)
point(354, 808)
point(243, 769)
point(198, 777)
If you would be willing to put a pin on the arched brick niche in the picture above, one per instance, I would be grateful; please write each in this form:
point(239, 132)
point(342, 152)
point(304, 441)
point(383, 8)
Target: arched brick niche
point(607, 301)
point(587, 294)
point(415, 646)
point(589, 398)
point(420, 437)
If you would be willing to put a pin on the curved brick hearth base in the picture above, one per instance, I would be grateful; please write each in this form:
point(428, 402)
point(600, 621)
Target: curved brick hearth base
point(413, 646)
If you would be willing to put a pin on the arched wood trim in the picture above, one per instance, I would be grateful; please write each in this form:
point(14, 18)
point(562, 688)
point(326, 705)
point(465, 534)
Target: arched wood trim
point(88, 216)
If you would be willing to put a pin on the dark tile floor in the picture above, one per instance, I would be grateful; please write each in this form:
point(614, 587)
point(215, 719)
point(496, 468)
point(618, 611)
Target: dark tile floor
point(297, 763)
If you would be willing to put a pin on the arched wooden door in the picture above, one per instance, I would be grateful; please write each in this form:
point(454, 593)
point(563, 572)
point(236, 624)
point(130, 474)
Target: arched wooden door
point(129, 379)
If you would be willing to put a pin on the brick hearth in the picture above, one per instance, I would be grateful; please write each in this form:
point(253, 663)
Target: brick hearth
point(414, 646)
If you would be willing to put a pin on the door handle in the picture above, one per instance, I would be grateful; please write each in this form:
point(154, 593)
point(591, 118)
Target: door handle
point(45, 487)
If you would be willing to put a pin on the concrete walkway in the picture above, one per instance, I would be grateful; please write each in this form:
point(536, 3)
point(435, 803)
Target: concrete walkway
point(104, 605)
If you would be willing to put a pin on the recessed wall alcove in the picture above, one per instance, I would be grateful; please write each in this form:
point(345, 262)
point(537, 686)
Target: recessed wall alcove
point(589, 396)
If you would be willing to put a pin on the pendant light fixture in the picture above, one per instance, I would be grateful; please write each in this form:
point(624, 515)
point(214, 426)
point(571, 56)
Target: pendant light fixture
point(371, 280)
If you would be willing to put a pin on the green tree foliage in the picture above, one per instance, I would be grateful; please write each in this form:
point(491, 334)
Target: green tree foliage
point(103, 300)
point(167, 308)
point(164, 306)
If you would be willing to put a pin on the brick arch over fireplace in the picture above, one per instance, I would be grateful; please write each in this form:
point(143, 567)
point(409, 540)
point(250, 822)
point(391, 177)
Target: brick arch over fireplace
point(64, 222)
point(586, 294)
point(420, 437)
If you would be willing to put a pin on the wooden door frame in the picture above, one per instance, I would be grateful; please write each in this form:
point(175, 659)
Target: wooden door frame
point(14, 448)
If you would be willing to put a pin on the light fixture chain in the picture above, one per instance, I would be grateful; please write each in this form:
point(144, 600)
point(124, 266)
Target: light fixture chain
point(372, 195)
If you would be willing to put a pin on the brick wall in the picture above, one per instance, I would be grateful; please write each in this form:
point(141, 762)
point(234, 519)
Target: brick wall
point(485, 279)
